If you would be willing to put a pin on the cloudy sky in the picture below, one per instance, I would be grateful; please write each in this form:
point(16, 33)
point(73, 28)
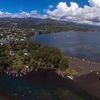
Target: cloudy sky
point(80, 11)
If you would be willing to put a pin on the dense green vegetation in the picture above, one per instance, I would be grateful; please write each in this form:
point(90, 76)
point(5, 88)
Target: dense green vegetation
point(32, 55)
point(21, 53)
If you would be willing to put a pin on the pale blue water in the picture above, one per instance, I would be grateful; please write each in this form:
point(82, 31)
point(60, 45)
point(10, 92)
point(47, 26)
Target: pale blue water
point(78, 44)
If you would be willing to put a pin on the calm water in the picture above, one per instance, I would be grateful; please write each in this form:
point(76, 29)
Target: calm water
point(78, 44)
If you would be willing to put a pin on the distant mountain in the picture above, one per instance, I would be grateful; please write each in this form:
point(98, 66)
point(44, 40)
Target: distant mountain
point(44, 23)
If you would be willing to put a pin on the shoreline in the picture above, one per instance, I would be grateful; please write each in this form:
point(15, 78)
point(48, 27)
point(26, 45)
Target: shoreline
point(87, 66)
point(91, 79)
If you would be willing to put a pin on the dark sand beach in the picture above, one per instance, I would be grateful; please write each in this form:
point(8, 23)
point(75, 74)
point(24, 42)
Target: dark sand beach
point(86, 66)
point(89, 77)
point(90, 83)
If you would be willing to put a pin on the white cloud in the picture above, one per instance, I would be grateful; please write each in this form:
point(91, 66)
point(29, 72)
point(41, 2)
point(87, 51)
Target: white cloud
point(22, 14)
point(74, 13)
point(51, 6)
point(4, 14)
point(95, 3)
point(87, 14)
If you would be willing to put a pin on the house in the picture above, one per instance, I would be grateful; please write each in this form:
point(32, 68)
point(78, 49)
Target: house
point(12, 53)
point(1, 43)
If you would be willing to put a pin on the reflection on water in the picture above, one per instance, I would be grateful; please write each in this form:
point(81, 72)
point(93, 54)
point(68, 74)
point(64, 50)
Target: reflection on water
point(79, 44)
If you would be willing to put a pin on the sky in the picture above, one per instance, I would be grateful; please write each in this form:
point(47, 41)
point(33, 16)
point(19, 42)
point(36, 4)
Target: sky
point(80, 11)
point(29, 5)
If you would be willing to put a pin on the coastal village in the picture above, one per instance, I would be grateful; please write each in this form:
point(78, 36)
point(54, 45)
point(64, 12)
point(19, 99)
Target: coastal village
point(9, 38)
point(19, 54)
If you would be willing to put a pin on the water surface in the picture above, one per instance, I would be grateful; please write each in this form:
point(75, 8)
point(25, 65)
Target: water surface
point(78, 44)
point(34, 86)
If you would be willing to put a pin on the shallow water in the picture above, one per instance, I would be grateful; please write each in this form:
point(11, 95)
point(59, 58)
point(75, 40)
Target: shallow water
point(24, 88)
point(78, 44)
